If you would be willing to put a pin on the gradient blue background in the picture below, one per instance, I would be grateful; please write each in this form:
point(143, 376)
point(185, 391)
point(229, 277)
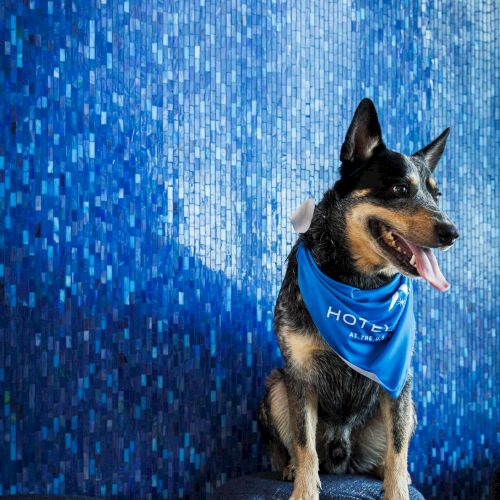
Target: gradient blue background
point(151, 155)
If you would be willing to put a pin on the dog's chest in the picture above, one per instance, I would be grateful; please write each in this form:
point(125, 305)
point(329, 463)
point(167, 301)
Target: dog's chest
point(344, 395)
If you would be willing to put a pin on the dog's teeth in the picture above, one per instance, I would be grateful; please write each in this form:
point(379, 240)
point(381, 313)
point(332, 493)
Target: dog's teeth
point(413, 260)
point(398, 248)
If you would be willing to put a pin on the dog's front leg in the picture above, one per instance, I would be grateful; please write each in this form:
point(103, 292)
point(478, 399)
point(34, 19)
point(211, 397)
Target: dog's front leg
point(399, 420)
point(303, 405)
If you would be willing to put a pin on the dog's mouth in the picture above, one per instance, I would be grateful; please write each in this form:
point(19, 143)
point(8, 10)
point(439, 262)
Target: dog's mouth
point(408, 257)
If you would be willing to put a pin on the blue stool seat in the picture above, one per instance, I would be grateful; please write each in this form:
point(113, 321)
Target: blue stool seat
point(269, 485)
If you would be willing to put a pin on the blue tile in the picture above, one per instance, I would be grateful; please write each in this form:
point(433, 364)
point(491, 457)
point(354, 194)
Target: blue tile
point(151, 155)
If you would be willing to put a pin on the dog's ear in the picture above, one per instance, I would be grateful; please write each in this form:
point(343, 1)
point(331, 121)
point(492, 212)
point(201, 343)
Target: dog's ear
point(433, 151)
point(364, 134)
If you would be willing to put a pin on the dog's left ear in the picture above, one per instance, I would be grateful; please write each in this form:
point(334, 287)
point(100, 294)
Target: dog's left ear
point(364, 134)
point(433, 151)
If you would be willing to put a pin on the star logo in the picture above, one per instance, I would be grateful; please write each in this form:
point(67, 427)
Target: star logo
point(400, 296)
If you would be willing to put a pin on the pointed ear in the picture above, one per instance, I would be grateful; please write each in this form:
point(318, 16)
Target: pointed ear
point(364, 134)
point(433, 151)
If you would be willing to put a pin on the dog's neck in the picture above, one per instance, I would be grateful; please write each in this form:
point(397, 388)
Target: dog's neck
point(326, 240)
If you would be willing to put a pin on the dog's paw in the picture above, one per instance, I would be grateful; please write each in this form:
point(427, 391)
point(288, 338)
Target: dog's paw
point(304, 495)
point(289, 472)
point(396, 490)
point(307, 489)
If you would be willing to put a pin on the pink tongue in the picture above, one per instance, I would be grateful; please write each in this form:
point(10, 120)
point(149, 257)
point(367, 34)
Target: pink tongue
point(428, 267)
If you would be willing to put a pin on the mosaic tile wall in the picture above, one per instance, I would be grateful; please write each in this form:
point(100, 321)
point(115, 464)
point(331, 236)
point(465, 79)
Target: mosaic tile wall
point(151, 154)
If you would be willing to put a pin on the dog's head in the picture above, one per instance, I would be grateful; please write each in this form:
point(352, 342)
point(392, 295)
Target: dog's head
point(392, 214)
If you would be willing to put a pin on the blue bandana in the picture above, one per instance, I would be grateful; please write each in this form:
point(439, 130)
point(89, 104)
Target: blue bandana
point(373, 331)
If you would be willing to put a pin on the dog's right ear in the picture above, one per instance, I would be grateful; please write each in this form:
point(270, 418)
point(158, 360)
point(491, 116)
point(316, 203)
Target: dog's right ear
point(364, 134)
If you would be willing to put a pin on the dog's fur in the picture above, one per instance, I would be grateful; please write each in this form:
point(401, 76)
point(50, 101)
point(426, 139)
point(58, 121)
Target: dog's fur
point(317, 413)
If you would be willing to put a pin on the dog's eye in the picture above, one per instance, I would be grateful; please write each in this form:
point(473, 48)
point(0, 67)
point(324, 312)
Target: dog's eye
point(400, 190)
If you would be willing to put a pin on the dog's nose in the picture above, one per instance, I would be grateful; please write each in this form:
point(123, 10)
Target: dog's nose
point(447, 233)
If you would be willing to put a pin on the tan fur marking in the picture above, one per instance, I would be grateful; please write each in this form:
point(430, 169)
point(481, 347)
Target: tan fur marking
point(364, 249)
point(367, 253)
point(281, 414)
point(307, 480)
point(432, 183)
point(303, 346)
point(396, 478)
point(371, 443)
point(361, 193)
point(413, 179)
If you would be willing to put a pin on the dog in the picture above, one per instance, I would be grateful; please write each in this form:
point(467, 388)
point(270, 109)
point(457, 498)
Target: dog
point(380, 218)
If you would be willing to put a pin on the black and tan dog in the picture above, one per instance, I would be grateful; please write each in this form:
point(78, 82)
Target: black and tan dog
point(380, 218)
